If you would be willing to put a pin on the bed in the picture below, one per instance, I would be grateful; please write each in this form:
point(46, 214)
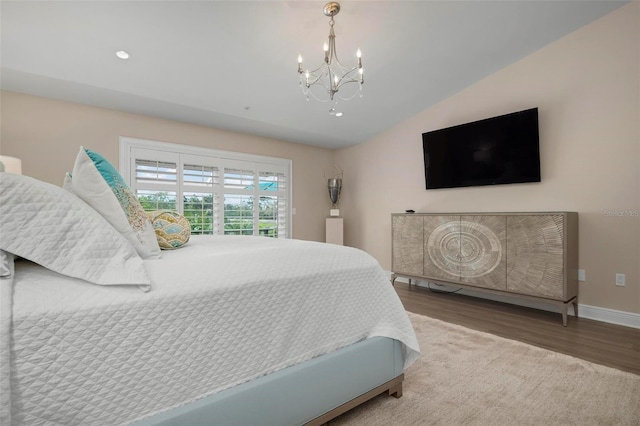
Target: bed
point(225, 330)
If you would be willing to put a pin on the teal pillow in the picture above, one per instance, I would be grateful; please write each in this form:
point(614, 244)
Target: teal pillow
point(100, 185)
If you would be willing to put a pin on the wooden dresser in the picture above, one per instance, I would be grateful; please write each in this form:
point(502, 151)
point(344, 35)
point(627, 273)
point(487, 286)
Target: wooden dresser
point(528, 255)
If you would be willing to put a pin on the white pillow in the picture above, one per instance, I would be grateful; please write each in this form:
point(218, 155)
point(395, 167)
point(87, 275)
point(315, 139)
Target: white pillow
point(100, 185)
point(54, 228)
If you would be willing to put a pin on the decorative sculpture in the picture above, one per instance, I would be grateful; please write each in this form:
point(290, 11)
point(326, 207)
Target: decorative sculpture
point(335, 187)
point(334, 184)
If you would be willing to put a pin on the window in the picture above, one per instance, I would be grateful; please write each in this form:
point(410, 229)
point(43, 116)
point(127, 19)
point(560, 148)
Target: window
point(220, 192)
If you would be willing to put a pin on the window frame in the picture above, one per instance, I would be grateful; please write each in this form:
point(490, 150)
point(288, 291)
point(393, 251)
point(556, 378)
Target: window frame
point(164, 150)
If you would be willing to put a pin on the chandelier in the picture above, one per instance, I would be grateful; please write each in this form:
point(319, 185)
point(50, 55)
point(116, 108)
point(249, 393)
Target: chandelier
point(324, 83)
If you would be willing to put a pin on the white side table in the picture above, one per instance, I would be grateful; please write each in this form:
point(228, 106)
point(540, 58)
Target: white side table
point(334, 230)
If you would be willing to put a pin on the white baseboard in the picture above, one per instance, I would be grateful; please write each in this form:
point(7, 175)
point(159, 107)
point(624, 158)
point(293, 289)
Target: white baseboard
point(613, 316)
point(596, 313)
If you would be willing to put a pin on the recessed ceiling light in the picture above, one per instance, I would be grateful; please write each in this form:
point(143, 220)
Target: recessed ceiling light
point(338, 114)
point(122, 54)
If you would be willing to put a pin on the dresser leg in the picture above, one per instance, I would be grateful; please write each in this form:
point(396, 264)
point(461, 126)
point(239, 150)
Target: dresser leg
point(565, 309)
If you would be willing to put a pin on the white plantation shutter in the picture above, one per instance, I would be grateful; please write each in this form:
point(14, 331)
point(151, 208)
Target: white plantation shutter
point(155, 180)
point(273, 205)
point(239, 198)
point(220, 192)
point(200, 179)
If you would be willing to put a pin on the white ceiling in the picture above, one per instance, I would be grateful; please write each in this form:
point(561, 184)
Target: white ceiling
point(232, 64)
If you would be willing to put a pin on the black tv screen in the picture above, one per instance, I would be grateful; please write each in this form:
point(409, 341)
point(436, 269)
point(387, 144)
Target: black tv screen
point(493, 151)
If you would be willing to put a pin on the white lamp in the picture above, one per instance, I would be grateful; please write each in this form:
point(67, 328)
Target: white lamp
point(10, 164)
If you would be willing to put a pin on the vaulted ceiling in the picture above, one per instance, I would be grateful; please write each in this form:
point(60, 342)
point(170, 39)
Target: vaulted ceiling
point(232, 64)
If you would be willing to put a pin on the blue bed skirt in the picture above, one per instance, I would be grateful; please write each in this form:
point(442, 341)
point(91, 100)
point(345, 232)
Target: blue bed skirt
point(299, 394)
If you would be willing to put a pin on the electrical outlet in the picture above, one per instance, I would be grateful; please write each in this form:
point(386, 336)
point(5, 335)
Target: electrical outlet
point(620, 280)
point(582, 275)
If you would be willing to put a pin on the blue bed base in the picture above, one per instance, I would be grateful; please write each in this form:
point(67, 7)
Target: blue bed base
point(312, 392)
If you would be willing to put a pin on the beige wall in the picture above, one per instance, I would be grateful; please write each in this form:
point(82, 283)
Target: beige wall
point(587, 89)
point(46, 134)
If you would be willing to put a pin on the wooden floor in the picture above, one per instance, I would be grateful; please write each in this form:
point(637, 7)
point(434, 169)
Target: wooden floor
point(608, 344)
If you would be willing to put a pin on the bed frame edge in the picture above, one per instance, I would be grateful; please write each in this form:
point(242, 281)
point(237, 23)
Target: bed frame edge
point(392, 387)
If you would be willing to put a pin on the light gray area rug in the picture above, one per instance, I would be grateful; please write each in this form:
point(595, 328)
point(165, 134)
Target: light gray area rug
point(466, 377)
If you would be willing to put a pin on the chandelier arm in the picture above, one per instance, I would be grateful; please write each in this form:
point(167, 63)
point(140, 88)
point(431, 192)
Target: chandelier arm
point(324, 70)
point(313, 81)
point(343, 98)
point(319, 69)
point(308, 92)
point(330, 85)
point(316, 75)
point(348, 77)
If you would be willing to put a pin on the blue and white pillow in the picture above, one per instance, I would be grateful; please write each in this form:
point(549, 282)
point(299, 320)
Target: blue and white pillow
point(100, 185)
point(172, 229)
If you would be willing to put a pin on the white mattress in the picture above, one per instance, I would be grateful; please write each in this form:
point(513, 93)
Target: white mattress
point(222, 310)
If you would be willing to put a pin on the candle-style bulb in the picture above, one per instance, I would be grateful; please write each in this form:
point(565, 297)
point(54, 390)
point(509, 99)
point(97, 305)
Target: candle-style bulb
point(325, 46)
point(358, 54)
point(299, 59)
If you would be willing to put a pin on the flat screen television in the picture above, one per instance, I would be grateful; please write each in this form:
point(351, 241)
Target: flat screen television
point(493, 151)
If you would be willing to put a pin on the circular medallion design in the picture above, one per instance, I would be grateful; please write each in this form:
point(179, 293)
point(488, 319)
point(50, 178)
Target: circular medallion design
point(464, 249)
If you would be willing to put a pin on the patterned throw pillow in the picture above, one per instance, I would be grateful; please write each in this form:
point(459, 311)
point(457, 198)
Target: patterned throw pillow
point(100, 185)
point(172, 229)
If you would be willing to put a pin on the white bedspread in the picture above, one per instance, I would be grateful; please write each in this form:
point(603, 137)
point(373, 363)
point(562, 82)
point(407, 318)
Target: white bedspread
point(222, 310)
point(6, 303)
